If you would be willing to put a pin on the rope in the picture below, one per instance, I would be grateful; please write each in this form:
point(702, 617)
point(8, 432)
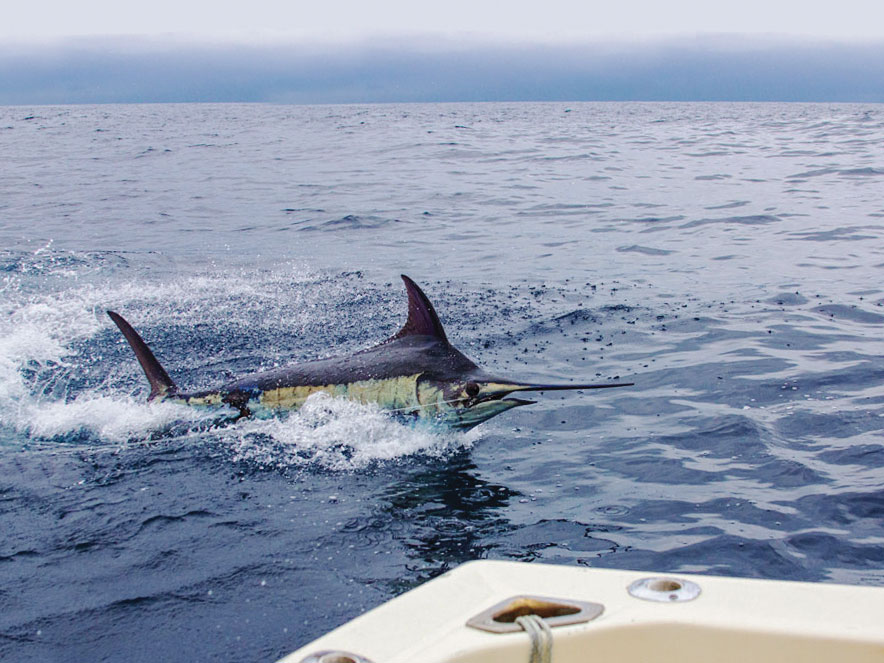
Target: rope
point(540, 635)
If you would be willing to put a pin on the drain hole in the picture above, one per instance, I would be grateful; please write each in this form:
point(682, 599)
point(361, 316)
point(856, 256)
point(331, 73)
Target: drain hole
point(664, 585)
point(502, 616)
point(528, 606)
point(337, 658)
point(664, 589)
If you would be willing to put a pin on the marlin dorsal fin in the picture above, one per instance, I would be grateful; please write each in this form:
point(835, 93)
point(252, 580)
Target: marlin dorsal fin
point(422, 318)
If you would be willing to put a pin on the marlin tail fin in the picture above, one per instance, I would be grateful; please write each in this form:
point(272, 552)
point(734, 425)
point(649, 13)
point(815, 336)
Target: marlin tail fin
point(161, 384)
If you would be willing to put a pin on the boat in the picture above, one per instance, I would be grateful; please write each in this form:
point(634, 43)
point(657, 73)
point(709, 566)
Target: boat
point(509, 612)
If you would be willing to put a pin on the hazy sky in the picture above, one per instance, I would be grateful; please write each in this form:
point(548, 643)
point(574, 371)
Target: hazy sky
point(333, 51)
point(534, 20)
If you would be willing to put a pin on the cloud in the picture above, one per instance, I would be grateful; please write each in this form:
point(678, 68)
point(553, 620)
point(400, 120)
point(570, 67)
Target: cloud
point(724, 68)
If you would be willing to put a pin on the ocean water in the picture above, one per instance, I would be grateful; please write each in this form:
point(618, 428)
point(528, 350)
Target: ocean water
point(727, 258)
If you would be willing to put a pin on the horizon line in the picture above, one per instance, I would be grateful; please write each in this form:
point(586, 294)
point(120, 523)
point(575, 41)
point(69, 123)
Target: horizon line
point(701, 69)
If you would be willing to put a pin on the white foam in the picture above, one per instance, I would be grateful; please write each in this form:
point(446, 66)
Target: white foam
point(108, 418)
point(339, 435)
point(31, 340)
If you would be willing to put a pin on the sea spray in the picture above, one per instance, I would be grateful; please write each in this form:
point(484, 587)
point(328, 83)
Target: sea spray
point(338, 434)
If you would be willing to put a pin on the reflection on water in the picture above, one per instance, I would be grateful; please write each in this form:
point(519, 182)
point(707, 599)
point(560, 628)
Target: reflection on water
point(450, 515)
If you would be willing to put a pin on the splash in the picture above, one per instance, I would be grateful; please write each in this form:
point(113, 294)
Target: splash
point(43, 367)
point(107, 419)
point(58, 383)
point(339, 435)
point(55, 381)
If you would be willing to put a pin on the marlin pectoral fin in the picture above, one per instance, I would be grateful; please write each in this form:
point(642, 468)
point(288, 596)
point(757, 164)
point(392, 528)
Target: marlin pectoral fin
point(160, 382)
point(239, 401)
point(517, 402)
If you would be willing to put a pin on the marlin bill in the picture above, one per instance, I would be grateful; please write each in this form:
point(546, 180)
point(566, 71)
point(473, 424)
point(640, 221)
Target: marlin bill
point(417, 373)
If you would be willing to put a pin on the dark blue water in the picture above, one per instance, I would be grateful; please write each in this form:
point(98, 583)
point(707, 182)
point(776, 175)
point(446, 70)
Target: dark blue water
point(726, 258)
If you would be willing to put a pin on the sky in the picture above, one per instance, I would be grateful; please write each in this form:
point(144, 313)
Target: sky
point(547, 20)
point(93, 51)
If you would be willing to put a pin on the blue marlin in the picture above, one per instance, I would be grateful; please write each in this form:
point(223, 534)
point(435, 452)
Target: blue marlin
point(417, 373)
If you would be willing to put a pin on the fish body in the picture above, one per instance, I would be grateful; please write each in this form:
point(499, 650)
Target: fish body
point(417, 373)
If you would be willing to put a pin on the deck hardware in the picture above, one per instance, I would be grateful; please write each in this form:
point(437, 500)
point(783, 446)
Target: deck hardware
point(664, 590)
point(334, 656)
point(501, 617)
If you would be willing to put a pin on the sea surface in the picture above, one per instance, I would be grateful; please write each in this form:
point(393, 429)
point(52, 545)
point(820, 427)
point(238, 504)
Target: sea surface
point(727, 258)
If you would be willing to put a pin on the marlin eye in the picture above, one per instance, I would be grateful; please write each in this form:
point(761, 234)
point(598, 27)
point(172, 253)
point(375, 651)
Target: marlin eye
point(472, 389)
